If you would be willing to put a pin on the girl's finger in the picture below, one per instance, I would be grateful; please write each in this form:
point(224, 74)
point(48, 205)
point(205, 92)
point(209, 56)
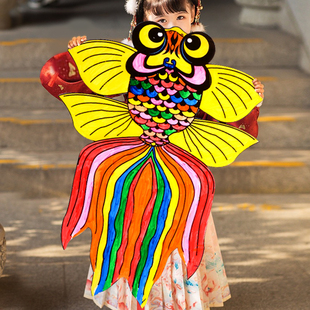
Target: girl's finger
point(259, 86)
point(257, 82)
point(261, 93)
point(75, 41)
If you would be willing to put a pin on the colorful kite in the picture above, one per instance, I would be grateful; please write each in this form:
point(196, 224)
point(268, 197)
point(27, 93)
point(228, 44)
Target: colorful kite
point(143, 187)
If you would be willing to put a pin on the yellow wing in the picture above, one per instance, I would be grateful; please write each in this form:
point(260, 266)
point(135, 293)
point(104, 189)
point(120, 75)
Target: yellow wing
point(231, 95)
point(215, 144)
point(98, 118)
point(102, 65)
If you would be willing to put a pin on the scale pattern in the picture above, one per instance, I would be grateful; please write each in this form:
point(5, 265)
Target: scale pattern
point(162, 105)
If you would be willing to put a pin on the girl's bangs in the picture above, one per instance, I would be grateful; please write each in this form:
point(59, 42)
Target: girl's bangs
point(160, 7)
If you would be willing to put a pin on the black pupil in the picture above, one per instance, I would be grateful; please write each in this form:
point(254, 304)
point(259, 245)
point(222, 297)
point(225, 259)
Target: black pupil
point(156, 35)
point(193, 43)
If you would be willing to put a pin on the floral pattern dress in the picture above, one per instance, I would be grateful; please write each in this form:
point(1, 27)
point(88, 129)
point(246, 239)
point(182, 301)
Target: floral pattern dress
point(207, 287)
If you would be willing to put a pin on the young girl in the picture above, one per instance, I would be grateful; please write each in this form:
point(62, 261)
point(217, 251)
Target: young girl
point(208, 286)
point(184, 14)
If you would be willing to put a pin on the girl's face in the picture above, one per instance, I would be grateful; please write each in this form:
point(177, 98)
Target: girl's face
point(182, 19)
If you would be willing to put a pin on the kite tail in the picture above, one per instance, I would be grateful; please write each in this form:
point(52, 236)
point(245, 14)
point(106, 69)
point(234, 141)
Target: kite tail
point(196, 222)
point(90, 158)
point(141, 202)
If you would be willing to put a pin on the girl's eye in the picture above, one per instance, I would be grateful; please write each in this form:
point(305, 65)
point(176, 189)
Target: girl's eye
point(180, 17)
point(198, 48)
point(162, 21)
point(149, 38)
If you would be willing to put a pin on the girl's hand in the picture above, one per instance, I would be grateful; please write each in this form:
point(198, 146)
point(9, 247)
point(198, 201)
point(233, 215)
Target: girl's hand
point(259, 87)
point(75, 41)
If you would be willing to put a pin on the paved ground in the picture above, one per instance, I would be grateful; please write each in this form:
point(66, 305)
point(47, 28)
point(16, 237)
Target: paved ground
point(265, 242)
point(265, 239)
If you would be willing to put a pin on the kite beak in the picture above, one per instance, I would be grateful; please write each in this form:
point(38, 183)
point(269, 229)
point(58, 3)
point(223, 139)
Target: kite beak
point(174, 39)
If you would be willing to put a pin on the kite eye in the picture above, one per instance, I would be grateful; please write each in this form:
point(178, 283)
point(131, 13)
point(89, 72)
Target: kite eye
point(149, 38)
point(198, 48)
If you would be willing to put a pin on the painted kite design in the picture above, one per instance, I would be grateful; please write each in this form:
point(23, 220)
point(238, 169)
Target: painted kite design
point(143, 187)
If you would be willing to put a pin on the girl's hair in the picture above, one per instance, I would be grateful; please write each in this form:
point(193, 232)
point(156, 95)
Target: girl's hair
point(158, 7)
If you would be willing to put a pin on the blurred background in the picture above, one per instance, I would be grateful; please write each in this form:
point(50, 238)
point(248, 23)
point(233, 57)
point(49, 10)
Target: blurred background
point(261, 207)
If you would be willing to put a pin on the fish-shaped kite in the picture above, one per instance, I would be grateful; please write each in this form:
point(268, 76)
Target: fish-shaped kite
point(143, 187)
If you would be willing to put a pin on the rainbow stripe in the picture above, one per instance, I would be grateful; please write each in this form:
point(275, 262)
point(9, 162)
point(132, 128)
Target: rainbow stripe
point(141, 202)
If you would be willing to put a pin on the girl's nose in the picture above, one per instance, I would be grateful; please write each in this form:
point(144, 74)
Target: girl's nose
point(170, 24)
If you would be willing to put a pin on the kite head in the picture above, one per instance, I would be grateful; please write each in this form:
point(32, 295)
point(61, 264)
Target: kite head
point(171, 51)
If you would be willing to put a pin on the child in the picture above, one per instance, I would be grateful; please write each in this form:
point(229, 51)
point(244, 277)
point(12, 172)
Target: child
point(184, 14)
point(208, 286)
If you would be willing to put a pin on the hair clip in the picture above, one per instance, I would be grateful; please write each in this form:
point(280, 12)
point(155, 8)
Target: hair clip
point(199, 8)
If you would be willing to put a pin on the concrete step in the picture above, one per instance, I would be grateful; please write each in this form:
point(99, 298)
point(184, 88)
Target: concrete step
point(238, 45)
point(53, 130)
point(23, 89)
point(284, 128)
point(31, 46)
point(255, 51)
point(29, 53)
point(279, 50)
point(265, 171)
point(254, 171)
point(37, 174)
point(39, 130)
point(283, 87)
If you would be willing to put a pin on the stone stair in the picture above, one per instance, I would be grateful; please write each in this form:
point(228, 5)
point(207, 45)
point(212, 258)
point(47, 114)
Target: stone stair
point(39, 146)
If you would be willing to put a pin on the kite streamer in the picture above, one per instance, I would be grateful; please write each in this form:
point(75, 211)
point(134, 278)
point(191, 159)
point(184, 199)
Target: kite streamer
point(154, 200)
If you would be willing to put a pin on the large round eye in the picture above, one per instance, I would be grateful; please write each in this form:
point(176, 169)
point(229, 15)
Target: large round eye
point(198, 48)
point(149, 38)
